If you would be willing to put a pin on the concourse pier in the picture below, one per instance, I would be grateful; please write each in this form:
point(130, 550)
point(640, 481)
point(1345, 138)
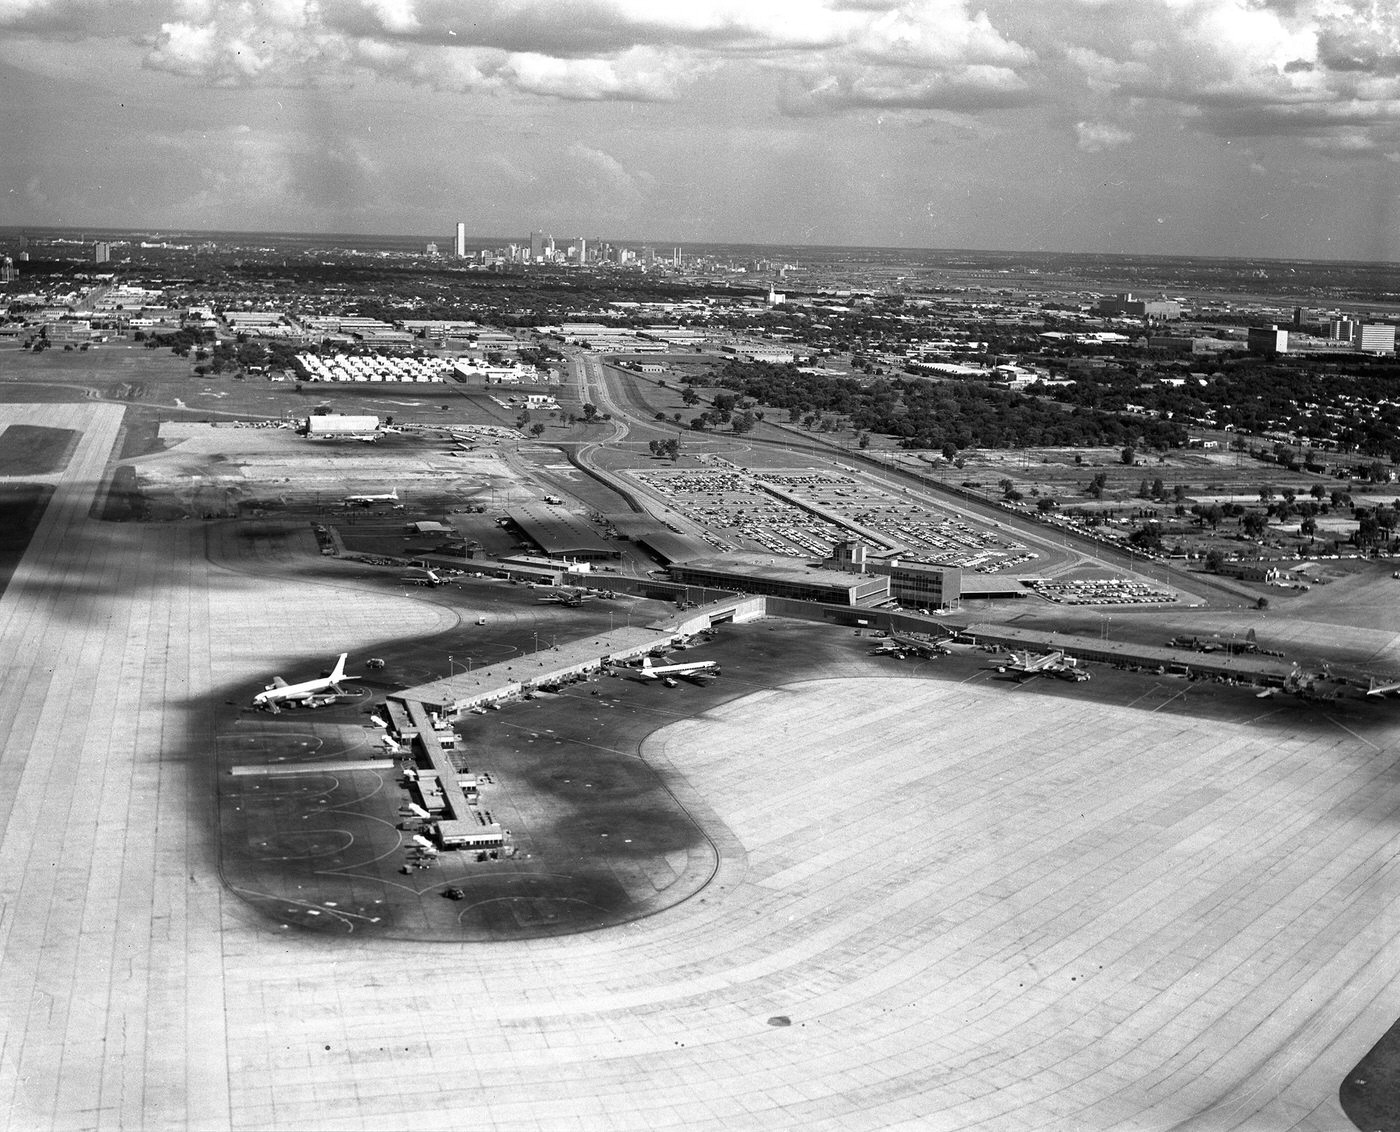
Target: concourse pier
point(561, 661)
point(439, 788)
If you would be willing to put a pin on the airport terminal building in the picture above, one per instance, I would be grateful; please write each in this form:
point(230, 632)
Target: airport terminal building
point(922, 585)
point(775, 576)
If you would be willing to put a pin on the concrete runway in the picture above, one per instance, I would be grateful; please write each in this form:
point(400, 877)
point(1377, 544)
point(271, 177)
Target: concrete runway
point(950, 907)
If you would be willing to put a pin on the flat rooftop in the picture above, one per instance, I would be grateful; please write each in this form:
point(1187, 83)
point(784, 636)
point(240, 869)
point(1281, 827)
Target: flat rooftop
point(665, 543)
point(778, 568)
point(557, 531)
point(492, 681)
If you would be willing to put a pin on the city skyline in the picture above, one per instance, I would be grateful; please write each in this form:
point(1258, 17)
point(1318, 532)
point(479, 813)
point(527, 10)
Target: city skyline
point(1169, 127)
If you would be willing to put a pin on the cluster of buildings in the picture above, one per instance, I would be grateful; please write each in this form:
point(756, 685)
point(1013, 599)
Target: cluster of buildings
point(370, 368)
point(851, 576)
point(1305, 333)
point(1127, 306)
point(1341, 336)
point(540, 247)
point(402, 368)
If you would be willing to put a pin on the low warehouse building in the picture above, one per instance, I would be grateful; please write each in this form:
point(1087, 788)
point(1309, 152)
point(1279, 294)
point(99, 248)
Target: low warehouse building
point(331, 426)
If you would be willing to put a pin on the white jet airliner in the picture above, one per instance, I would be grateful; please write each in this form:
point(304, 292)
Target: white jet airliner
point(312, 693)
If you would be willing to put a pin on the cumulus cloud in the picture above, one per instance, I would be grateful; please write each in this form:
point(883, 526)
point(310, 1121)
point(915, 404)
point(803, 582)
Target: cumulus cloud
point(1232, 67)
point(930, 55)
point(1095, 137)
point(887, 53)
point(1247, 67)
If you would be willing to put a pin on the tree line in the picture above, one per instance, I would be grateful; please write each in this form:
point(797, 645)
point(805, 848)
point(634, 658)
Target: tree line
point(938, 414)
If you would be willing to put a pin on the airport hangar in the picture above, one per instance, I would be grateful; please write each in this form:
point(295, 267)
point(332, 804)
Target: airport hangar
point(559, 533)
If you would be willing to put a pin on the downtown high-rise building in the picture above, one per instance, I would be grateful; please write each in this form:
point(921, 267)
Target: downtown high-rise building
point(461, 240)
point(536, 246)
point(101, 252)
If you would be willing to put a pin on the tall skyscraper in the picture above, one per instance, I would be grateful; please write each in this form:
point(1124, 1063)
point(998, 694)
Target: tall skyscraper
point(536, 246)
point(101, 252)
point(461, 241)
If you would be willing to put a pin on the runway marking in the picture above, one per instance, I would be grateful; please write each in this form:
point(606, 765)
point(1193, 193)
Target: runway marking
point(1349, 731)
point(1170, 699)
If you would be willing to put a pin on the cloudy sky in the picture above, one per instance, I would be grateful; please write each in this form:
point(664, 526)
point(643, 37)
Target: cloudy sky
point(1208, 127)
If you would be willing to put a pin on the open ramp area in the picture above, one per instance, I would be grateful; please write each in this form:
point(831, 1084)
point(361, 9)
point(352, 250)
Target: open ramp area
point(1051, 913)
point(310, 832)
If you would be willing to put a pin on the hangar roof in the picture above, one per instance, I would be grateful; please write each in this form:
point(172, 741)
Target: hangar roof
point(559, 532)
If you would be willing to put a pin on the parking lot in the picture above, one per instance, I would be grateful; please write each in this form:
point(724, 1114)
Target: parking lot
point(1102, 591)
point(802, 512)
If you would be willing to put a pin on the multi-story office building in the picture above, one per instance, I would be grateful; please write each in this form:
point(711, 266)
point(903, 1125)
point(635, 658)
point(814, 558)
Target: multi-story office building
point(461, 241)
point(1376, 338)
point(1267, 340)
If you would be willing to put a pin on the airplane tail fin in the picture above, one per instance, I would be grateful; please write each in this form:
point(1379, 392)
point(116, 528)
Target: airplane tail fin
point(339, 673)
point(646, 662)
point(394, 494)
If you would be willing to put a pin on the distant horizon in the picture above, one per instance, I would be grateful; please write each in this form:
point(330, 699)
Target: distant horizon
point(445, 240)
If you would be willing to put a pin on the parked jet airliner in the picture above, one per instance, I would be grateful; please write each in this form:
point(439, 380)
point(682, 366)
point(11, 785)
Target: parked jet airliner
point(312, 693)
